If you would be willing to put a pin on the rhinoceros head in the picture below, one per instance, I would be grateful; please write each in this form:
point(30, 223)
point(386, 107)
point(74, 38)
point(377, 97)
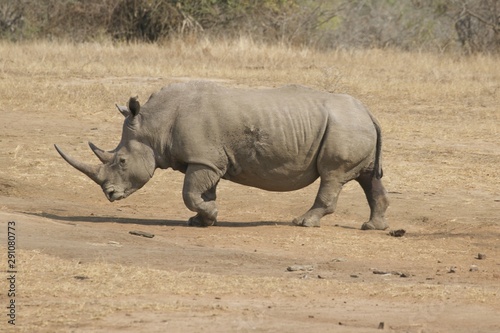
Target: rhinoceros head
point(126, 168)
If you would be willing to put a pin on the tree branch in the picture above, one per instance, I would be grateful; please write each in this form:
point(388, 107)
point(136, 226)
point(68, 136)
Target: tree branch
point(496, 27)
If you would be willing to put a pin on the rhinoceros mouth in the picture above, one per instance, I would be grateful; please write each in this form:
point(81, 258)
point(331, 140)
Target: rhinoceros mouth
point(113, 194)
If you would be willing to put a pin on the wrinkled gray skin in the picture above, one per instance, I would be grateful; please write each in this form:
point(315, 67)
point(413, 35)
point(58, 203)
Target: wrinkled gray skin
point(274, 139)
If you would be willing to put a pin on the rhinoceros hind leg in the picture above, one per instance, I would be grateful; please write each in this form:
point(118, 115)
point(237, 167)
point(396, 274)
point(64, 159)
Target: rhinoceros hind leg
point(375, 225)
point(376, 196)
point(199, 194)
point(325, 203)
point(307, 220)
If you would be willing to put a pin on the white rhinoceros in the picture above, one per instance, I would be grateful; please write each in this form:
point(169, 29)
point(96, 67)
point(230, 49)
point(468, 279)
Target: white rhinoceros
point(275, 139)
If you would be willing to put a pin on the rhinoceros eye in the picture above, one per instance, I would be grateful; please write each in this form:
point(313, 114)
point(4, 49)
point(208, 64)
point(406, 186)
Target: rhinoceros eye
point(123, 161)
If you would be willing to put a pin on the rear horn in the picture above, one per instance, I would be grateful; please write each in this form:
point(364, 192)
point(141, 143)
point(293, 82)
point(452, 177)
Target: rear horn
point(102, 155)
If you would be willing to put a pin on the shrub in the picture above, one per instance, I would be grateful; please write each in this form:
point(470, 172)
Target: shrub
point(472, 25)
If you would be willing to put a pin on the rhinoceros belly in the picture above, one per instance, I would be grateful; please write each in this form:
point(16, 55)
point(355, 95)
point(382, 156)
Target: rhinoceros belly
point(281, 180)
point(273, 161)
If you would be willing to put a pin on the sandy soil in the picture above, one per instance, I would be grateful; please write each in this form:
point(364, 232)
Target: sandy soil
point(80, 270)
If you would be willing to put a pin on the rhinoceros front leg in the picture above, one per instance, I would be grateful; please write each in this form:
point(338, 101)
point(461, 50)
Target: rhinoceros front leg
point(325, 203)
point(199, 193)
point(197, 220)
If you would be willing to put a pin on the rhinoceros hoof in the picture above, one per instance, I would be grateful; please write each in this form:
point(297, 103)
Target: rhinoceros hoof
point(375, 225)
point(199, 221)
point(306, 222)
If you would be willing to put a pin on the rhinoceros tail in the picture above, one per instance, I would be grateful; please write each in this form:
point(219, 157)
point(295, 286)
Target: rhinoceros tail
point(377, 167)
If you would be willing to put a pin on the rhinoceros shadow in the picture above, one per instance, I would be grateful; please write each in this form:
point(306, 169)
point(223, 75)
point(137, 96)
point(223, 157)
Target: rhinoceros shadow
point(142, 221)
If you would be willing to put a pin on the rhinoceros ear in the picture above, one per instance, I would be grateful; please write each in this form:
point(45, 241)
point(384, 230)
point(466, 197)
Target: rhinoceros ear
point(123, 110)
point(134, 106)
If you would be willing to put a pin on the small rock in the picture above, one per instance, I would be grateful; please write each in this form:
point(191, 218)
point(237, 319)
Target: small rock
point(404, 275)
point(473, 268)
point(81, 277)
point(141, 233)
point(320, 276)
point(376, 271)
point(397, 233)
point(452, 269)
point(339, 259)
point(355, 276)
point(381, 325)
point(481, 256)
point(300, 268)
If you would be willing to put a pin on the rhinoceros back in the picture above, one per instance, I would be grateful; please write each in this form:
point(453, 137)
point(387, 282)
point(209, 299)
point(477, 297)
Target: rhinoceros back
point(266, 138)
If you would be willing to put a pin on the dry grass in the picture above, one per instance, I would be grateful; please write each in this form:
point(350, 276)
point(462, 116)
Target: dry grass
point(80, 292)
point(434, 106)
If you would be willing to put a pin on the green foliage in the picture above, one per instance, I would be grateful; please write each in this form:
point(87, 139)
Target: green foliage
point(469, 25)
point(146, 20)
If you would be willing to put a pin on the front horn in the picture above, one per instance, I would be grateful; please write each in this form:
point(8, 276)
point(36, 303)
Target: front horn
point(103, 156)
point(92, 171)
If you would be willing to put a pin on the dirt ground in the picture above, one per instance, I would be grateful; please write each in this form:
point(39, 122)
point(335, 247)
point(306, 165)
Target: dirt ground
point(80, 270)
